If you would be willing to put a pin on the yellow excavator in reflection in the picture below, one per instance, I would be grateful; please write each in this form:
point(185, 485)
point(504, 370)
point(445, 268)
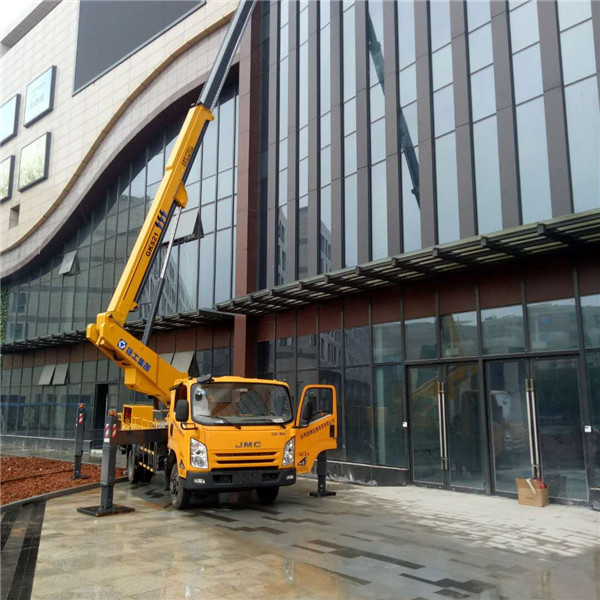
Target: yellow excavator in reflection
point(214, 434)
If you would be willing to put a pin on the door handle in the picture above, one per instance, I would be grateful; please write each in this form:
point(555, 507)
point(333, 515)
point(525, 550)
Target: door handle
point(442, 426)
point(532, 422)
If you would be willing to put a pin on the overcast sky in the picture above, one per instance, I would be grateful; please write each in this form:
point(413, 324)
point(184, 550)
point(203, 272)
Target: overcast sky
point(12, 9)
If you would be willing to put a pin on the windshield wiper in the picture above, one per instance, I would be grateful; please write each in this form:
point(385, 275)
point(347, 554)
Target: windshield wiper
point(266, 419)
point(227, 422)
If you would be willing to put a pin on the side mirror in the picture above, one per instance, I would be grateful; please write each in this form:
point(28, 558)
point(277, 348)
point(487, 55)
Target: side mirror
point(308, 411)
point(182, 410)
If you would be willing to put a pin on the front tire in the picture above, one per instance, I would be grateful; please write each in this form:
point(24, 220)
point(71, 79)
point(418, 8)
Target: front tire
point(180, 497)
point(267, 495)
point(134, 472)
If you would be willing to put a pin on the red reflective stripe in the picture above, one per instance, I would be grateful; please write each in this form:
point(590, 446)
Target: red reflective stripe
point(114, 433)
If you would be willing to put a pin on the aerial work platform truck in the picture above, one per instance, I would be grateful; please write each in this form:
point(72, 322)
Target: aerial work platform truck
point(206, 434)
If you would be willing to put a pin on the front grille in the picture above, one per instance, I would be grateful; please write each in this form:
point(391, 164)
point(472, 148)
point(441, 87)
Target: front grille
point(245, 458)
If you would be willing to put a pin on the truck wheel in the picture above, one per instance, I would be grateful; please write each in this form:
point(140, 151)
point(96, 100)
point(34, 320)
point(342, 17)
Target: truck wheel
point(133, 471)
point(180, 497)
point(267, 495)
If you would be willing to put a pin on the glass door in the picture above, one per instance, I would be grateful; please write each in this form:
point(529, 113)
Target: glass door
point(536, 428)
point(445, 425)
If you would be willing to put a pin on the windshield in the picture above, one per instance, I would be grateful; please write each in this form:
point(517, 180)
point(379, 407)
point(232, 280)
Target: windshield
point(236, 403)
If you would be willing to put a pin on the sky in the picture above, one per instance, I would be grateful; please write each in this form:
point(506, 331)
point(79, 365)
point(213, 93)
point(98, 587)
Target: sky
point(12, 9)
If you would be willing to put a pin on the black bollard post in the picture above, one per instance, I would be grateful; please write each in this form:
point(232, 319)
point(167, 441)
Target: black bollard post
point(79, 434)
point(107, 473)
point(322, 477)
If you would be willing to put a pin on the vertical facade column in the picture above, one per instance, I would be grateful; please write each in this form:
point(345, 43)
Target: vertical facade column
point(313, 136)
point(554, 102)
point(292, 189)
point(462, 114)
point(337, 173)
point(246, 270)
point(424, 114)
point(507, 137)
point(362, 135)
point(392, 103)
point(272, 180)
point(596, 29)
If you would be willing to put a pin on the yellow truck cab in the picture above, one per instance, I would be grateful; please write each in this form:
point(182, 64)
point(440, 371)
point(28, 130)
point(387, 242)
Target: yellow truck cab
point(229, 434)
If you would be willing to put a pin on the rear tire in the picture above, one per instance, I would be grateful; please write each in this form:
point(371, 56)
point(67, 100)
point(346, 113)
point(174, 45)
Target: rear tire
point(267, 495)
point(180, 497)
point(134, 472)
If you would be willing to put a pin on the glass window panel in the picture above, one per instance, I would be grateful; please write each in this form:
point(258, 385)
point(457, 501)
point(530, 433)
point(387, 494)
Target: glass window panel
point(571, 12)
point(350, 154)
point(478, 13)
point(592, 360)
point(441, 67)
point(408, 85)
point(390, 435)
point(350, 221)
point(411, 210)
point(590, 309)
point(487, 176)
point(325, 67)
point(377, 102)
point(325, 232)
point(349, 54)
point(209, 189)
point(224, 213)
point(459, 334)
point(375, 39)
point(483, 93)
point(357, 346)
point(188, 276)
point(220, 362)
point(207, 215)
point(303, 85)
point(421, 340)
point(524, 26)
point(358, 415)
point(406, 33)
point(553, 325)
point(583, 126)
point(307, 351)
point(527, 71)
point(447, 189)
point(502, 330)
point(379, 225)
point(265, 357)
point(283, 98)
point(303, 142)
point(578, 53)
point(209, 152)
point(325, 130)
point(481, 52)
point(226, 123)
point(303, 177)
point(440, 23)
point(223, 259)
point(330, 348)
point(443, 110)
point(285, 354)
point(378, 141)
point(387, 342)
point(325, 156)
point(409, 135)
point(225, 187)
point(207, 272)
point(302, 237)
point(350, 116)
point(281, 245)
point(533, 162)
point(155, 160)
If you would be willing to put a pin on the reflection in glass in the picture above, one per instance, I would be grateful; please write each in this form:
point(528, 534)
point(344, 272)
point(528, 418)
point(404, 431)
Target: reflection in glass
point(285, 354)
point(524, 26)
point(533, 162)
point(350, 221)
point(330, 348)
point(578, 53)
point(507, 404)
point(411, 211)
point(358, 415)
point(334, 377)
point(583, 127)
point(487, 176)
point(349, 54)
point(571, 12)
point(480, 47)
point(421, 341)
point(561, 443)
point(357, 346)
point(447, 189)
point(593, 374)
point(425, 419)
point(527, 72)
point(502, 330)
point(441, 67)
point(406, 33)
point(265, 357)
point(459, 334)
point(387, 342)
point(483, 94)
point(379, 232)
point(553, 325)
point(590, 309)
point(390, 435)
point(439, 16)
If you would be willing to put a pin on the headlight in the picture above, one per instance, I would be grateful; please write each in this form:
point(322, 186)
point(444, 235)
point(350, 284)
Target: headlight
point(198, 454)
point(288, 453)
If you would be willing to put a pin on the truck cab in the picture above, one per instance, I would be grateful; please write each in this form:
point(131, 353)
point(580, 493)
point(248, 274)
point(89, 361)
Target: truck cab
point(230, 434)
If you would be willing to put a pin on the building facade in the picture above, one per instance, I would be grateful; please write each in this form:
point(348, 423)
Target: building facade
point(398, 198)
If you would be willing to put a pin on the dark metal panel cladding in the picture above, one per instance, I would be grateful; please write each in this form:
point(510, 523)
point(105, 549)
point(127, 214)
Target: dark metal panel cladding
point(507, 139)
point(556, 124)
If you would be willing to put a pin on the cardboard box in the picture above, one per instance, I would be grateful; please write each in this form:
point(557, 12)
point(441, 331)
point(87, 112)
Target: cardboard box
point(530, 493)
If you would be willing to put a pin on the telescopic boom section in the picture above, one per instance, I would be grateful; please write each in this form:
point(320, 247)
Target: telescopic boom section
point(145, 371)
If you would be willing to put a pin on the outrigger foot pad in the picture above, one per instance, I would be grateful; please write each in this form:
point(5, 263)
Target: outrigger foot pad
point(100, 511)
point(321, 494)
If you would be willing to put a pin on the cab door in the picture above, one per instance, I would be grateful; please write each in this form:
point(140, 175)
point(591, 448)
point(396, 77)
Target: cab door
point(316, 425)
point(178, 439)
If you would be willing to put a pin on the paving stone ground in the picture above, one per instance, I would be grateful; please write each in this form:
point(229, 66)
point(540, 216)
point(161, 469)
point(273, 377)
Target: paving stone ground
point(387, 543)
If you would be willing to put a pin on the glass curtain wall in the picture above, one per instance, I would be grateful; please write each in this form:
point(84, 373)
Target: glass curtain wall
point(72, 287)
point(534, 173)
point(483, 114)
